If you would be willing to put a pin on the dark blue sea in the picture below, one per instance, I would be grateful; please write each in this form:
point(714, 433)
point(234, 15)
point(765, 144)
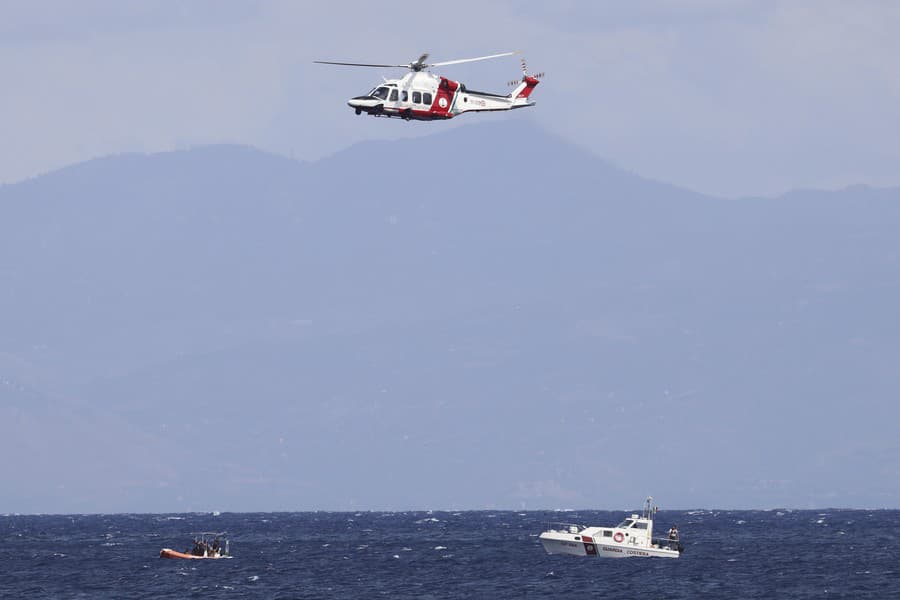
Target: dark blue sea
point(728, 554)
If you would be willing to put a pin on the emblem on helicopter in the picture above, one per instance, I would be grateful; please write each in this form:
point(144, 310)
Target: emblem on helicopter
point(422, 96)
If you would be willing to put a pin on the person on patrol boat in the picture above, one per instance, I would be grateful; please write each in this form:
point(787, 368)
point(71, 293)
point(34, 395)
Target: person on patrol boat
point(673, 533)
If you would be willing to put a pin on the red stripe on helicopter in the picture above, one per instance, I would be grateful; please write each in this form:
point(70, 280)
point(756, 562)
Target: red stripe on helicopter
point(443, 99)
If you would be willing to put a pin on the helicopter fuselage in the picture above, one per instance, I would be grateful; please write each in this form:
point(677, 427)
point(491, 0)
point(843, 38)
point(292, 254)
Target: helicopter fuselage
point(422, 96)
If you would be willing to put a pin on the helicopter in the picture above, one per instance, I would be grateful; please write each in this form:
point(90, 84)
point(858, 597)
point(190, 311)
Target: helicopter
point(421, 96)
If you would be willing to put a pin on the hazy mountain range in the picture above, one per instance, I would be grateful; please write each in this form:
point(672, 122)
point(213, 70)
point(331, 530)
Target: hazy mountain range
point(486, 317)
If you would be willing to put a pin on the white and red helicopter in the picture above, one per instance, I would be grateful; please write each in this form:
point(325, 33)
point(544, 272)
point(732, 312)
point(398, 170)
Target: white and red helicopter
point(421, 96)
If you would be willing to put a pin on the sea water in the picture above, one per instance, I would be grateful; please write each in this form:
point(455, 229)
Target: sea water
point(471, 554)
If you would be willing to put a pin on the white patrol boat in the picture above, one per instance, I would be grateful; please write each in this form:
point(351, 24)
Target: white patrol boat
point(631, 537)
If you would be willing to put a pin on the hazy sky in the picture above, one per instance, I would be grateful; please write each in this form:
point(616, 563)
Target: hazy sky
point(725, 97)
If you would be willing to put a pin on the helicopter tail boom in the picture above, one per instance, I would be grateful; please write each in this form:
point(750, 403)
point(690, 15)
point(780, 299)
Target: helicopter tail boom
point(484, 102)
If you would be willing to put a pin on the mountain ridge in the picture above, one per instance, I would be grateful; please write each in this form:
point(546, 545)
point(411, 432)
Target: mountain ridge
point(482, 335)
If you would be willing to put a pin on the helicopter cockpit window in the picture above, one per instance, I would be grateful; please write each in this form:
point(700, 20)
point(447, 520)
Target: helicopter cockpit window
point(417, 97)
point(394, 95)
point(380, 92)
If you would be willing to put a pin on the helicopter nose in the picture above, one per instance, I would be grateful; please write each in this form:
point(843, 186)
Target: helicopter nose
point(361, 102)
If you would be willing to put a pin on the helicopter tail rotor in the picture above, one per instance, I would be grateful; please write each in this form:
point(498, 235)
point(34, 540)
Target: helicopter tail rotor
point(525, 76)
point(524, 87)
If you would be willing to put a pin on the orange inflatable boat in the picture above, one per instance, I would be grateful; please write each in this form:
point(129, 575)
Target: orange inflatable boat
point(206, 545)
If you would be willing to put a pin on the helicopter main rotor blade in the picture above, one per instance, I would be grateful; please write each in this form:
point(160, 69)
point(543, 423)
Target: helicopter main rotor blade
point(465, 60)
point(327, 62)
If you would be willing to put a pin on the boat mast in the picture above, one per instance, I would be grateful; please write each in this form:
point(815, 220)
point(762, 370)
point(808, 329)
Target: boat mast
point(648, 514)
point(648, 508)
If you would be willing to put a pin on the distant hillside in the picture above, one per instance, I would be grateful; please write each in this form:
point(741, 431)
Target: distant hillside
point(486, 317)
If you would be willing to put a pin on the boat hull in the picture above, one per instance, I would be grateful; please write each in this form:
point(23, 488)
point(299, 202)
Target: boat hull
point(556, 542)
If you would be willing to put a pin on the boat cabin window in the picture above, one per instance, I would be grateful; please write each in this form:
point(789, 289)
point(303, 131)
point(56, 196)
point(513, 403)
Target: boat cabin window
point(394, 95)
point(607, 533)
point(640, 526)
point(426, 98)
point(380, 92)
point(417, 97)
point(625, 524)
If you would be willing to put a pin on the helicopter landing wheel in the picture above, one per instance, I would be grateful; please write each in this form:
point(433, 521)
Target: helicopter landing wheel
point(359, 112)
